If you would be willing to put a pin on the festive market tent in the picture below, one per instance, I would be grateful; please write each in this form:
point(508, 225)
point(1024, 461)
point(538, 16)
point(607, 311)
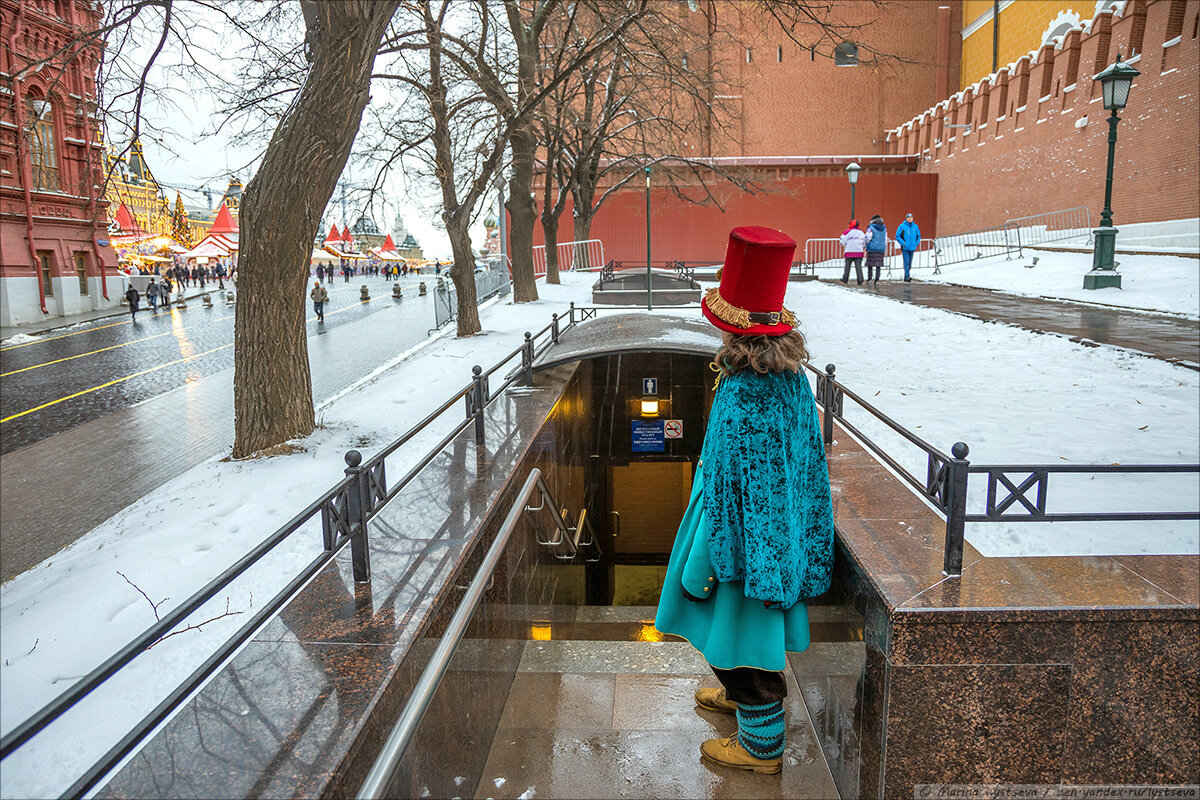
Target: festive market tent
point(222, 238)
point(386, 253)
point(322, 258)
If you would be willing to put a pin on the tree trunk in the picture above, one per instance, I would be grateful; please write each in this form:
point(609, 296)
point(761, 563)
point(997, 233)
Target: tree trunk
point(281, 209)
point(550, 234)
point(583, 229)
point(523, 214)
point(463, 275)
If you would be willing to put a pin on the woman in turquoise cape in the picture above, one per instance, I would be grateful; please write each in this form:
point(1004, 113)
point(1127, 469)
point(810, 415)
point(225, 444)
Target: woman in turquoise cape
point(757, 536)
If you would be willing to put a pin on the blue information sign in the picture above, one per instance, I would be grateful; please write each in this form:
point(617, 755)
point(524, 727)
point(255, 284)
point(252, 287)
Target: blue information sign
point(647, 437)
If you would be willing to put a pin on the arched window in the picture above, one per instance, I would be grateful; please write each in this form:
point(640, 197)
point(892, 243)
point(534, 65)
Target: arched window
point(846, 55)
point(43, 147)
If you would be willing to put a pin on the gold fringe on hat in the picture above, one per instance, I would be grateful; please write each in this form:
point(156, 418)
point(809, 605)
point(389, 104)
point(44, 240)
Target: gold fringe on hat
point(733, 315)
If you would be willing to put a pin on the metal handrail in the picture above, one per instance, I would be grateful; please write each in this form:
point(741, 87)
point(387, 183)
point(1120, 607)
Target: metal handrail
point(946, 484)
point(346, 509)
point(383, 771)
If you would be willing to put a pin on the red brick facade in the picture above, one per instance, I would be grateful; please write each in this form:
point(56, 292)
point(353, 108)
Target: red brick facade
point(54, 257)
point(1039, 132)
point(787, 100)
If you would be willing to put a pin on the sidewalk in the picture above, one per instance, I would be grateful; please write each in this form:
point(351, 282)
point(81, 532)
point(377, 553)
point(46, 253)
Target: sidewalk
point(54, 323)
point(1171, 338)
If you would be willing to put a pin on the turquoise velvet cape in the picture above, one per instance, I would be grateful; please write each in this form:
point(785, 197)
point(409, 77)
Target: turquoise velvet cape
point(729, 629)
point(766, 488)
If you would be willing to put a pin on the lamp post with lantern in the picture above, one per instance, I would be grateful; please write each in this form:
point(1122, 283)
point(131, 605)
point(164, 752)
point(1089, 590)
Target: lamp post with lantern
point(852, 170)
point(649, 277)
point(1115, 82)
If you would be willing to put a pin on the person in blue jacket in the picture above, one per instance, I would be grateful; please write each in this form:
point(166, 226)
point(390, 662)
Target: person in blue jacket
point(908, 236)
point(876, 247)
point(757, 536)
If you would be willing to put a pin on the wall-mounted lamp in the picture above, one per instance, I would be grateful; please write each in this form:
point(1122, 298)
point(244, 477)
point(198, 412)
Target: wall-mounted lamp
point(649, 405)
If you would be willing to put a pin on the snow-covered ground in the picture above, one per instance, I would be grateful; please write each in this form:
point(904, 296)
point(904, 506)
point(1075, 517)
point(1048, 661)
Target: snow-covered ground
point(1013, 396)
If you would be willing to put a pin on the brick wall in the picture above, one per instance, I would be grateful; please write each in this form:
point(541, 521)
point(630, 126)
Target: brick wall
point(787, 99)
point(1038, 140)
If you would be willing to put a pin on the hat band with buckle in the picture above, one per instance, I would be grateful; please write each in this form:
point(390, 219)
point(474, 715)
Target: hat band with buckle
point(741, 317)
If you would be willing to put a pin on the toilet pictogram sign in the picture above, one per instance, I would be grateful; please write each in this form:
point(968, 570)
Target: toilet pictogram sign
point(673, 429)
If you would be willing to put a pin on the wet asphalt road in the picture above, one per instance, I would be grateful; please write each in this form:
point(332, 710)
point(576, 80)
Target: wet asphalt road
point(70, 376)
point(118, 443)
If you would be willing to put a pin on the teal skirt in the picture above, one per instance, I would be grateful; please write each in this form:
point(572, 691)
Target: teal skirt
point(729, 629)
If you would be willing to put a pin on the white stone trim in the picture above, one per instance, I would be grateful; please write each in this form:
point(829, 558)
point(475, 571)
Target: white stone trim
point(984, 19)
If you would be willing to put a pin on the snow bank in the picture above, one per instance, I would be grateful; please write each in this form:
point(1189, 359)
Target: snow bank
point(1018, 398)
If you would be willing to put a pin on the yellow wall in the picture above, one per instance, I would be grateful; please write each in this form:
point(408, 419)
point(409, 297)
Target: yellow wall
point(1022, 24)
point(152, 212)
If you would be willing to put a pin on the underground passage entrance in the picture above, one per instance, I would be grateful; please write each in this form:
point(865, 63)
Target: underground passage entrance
point(562, 686)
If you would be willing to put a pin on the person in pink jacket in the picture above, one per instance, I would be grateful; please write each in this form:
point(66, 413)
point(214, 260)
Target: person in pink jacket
point(855, 242)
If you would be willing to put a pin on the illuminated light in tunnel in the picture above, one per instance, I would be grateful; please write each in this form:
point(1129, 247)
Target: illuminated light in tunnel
point(539, 631)
point(649, 633)
point(649, 406)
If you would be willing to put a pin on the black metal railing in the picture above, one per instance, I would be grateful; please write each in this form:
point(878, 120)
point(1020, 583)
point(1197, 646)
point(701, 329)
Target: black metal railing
point(344, 511)
point(387, 762)
point(945, 485)
point(685, 270)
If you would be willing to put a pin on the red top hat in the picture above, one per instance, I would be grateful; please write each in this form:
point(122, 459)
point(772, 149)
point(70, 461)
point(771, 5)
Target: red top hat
point(754, 279)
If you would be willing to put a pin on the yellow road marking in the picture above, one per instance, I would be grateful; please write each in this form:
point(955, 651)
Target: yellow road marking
point(124, 322)
point(76, 333)
point(110, 383)
point(145, 371)
point(103, 349)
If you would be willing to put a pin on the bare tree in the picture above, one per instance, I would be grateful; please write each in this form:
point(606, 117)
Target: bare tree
point(281, 210)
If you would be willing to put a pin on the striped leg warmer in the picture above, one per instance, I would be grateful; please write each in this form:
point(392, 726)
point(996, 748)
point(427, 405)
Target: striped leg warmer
point(760, 729)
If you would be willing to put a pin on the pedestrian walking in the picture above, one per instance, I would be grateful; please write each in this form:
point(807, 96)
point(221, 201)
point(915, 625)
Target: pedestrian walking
point(757, 537)
point(319, 298)
point(152, 296)
point(133, 298)
point(908, 236)
point(164, 292)
point(876, 247)
point(855, 241)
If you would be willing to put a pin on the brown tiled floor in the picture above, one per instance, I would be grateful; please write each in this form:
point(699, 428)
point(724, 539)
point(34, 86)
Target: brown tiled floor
point(589, 718)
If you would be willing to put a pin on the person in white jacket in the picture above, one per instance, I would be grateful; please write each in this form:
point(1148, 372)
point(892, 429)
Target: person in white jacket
point(855, 242)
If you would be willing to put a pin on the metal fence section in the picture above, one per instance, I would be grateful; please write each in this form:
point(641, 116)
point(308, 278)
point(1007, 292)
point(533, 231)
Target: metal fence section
point(829, 254)
point(1069, 223)
point(489, 281)
point(579, 256)
point(973, 245)
point(1014, 492)
point(445, 301)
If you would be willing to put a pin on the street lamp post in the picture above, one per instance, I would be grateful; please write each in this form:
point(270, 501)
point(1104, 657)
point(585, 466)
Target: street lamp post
point(649, 277)
point(1115, 82)
point(852, 170)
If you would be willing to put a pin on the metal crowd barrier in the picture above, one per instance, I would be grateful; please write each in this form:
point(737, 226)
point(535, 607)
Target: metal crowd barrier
point(578, 256)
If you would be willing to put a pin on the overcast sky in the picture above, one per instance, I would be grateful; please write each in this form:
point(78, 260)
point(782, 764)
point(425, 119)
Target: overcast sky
point(183, 148)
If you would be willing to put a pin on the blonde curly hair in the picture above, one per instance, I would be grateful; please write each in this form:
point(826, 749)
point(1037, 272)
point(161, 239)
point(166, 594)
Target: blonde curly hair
point(763, 354)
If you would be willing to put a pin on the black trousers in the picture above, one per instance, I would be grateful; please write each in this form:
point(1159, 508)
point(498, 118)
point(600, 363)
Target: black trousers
point(857, 262)
point(752, 687)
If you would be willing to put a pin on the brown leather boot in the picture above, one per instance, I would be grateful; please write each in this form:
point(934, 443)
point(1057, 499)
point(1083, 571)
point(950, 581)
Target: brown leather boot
point(715, 700)
point(728, 752)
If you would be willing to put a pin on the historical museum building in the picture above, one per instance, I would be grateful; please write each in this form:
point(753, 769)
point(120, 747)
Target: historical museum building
point(54, 253)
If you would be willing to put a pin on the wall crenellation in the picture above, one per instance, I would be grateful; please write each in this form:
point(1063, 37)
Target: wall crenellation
point(1038, 132)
